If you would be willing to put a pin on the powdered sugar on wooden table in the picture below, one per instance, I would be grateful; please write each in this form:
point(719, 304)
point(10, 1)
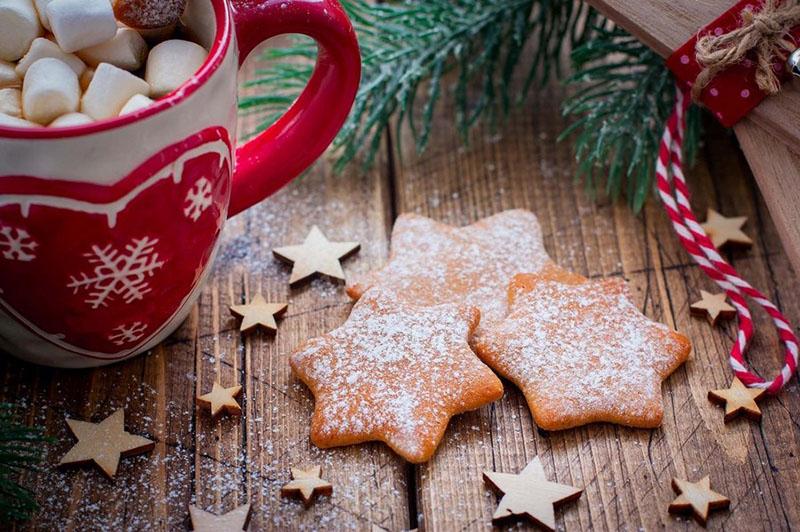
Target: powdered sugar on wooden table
point(167, 478)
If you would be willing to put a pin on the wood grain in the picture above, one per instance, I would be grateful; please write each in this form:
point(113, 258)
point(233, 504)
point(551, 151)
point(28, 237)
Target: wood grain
point(776, 169)
point(769, 135)
point(626, 473)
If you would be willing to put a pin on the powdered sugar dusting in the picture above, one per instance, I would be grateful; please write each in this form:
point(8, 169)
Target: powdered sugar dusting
point(583, 353)
point(435, 263)
point(396, 373)
point(152, 491)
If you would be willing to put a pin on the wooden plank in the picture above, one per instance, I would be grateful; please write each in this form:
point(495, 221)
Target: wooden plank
point(770, 135)
point(662, 25)
point(776, 169)
point(626, 472)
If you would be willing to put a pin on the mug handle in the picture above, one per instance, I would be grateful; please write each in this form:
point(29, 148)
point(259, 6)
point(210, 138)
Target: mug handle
point(277, 155)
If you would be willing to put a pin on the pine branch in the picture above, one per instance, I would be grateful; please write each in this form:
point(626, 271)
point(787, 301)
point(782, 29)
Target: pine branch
point(624, 90)
point(407, 49)
point(625, 96)
point(21, 448)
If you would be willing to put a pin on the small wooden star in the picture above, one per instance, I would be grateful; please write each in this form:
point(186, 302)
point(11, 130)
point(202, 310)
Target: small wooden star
point(307, 484)
point(235, 520)
point(738, 399)
point(219, 399)
point(723, 231)
point(104, 443)
point(258, 313)
point(529, 494)
point(713, 306)
point(315, 255)
point(696, 497)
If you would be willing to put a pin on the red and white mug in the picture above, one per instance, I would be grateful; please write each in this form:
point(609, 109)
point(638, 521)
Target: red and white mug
point(108, 230)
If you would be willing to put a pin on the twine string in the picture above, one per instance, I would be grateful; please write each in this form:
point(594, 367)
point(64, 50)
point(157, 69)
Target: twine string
point(764, 32)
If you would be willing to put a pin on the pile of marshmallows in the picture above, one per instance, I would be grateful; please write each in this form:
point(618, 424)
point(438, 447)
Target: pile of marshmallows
point(71, 62)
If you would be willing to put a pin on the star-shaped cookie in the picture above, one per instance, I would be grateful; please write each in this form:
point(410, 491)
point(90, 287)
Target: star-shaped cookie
point(432, 263)
point(723, 231)
point(233, 521)
point(221, 399)
point(582, 352)
point(104, 443)
point(697, 498)
point(316, 255)
point(529, 494)
point(394, 372)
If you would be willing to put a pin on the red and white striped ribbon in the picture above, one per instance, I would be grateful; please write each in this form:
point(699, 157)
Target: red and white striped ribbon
point(675, 195)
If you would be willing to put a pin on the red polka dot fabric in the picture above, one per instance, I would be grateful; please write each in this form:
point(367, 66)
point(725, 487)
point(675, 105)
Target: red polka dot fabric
point(733, 93)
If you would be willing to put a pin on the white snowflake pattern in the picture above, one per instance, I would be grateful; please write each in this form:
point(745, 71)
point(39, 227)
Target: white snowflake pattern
point(17, 244)
point(198, 199)
point(126, 334)
point(118, 273)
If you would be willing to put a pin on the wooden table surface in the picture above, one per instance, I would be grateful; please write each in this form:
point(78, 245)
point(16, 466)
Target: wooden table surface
point(626, 473)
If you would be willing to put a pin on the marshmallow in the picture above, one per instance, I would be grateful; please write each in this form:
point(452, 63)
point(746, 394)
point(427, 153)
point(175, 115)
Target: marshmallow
point(11, 102)
point(6, 120)
point(86, 78)
point(41, 8)
point(8, 75)
point(79, 24)
point(41, 48)
point(110, 89)
point(19, 26)
point(172, 63)
point(127, 50)
point(50, 90)
point(71, 119)
point(137, 101)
